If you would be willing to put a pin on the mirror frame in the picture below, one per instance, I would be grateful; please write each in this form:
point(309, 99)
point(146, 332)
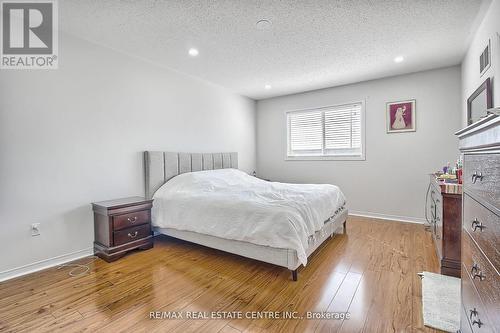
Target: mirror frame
point(489, 99)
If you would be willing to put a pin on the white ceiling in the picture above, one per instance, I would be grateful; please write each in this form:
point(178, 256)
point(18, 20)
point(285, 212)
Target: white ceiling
point(311, 44)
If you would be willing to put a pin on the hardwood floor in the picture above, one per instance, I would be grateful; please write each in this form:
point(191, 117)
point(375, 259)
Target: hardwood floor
point(371, 273)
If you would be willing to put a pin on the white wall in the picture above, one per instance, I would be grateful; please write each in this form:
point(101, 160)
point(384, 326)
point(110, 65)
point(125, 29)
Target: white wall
point(75, 135)
point(392, 182)
point(471, 80)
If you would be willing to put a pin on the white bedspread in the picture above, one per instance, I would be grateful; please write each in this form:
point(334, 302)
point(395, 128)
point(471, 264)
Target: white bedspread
point(230, 204)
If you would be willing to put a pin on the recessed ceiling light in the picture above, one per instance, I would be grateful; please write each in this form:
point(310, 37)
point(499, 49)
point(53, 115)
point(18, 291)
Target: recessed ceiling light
point(193, 52)
point(267, 86)
point(263, 24)
point(399, 59)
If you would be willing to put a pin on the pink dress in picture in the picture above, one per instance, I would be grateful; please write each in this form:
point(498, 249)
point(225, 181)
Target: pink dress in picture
point(399, 121)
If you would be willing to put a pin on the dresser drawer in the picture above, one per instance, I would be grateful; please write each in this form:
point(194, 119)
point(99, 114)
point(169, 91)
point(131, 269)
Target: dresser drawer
point(131, 234)
point(474, 309)
point(131, 219)
point(484, 278)
point(482, 176)
point(484, 227)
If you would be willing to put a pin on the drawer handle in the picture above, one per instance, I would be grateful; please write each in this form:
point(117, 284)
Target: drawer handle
point(477, 225)
point(478, 322)
point(134, 235)
point(476, 272)
point(476, 176)
point(474, 313)
point(479, 275)
point(132, 220)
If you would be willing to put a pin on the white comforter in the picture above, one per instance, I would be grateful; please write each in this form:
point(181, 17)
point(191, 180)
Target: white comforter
point(230, 204)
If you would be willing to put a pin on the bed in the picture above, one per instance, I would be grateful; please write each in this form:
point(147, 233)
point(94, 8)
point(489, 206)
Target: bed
point(205, 199)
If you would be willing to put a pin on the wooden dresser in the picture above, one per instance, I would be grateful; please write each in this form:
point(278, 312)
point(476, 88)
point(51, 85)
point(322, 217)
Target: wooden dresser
point(122, 225)
point(480, 144)
point(445, 207)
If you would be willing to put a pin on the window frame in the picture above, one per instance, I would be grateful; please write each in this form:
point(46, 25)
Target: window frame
point(326, 157)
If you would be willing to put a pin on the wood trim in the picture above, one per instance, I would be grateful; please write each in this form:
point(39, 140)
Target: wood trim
point(122, 209)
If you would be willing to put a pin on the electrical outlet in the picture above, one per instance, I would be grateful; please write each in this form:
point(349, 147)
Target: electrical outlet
point(35, 229)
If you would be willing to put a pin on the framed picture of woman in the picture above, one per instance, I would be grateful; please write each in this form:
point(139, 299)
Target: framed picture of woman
point(400, 116)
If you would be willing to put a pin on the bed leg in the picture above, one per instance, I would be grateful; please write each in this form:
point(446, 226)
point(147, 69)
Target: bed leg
point(294, 275)
point(345, 227)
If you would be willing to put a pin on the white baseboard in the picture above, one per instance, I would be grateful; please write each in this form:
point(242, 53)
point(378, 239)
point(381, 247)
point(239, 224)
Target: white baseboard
point(43, 264)
point(388, 217)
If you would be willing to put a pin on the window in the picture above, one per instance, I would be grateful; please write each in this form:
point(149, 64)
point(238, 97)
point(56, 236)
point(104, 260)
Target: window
point(333, 132)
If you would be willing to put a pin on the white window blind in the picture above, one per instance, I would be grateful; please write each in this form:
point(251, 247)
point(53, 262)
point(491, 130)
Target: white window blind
point(305, 131)
point(329, 131)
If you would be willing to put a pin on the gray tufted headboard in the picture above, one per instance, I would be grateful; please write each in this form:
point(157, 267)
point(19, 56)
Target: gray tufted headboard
point(161, 166)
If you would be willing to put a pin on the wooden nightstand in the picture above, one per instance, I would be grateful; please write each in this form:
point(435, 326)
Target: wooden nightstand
point(122, 225)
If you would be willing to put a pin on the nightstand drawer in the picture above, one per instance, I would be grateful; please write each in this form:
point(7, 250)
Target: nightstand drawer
point(131, 219)
point(131, 234)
